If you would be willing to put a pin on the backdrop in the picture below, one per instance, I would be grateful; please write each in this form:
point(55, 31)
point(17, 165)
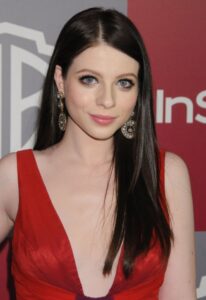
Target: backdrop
point(174, 33)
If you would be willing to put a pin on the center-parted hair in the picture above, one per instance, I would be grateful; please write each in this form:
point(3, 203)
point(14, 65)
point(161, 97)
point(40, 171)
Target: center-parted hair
point(138, 214)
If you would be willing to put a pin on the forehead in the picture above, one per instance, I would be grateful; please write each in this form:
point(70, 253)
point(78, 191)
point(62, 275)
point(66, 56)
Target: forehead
point(106, 59)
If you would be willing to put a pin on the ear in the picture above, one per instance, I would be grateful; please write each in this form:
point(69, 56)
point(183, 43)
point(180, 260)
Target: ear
point(58, 78)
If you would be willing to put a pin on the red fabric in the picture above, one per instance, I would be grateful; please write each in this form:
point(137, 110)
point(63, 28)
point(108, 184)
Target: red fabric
point(43, 264)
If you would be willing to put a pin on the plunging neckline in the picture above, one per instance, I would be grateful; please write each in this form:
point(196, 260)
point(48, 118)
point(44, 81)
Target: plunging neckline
point(68, 242)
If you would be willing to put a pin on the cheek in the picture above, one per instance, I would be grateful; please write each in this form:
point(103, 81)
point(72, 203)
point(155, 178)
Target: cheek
point(75, 98)
point(128, 102)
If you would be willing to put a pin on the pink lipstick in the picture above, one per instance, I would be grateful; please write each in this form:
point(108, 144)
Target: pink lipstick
point(102, 120)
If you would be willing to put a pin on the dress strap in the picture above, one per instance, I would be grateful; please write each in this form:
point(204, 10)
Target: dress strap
point(24, 165)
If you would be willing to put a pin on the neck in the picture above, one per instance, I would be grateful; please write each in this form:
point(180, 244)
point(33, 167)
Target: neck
point(79, 146)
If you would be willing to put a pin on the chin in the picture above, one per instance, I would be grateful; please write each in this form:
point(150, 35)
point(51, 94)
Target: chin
point(103, 136)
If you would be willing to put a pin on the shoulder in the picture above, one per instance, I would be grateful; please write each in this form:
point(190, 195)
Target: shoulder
point(8, 167)
point(174, 164)
point(173, 168)
point(178, 188)
point(176, 173)
point(9, 184)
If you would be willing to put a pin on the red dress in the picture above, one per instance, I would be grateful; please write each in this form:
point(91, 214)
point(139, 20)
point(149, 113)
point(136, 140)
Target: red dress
point(43, 264)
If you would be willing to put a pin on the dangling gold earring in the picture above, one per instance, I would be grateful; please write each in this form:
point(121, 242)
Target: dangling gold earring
point(128, 129)
point(62, 119)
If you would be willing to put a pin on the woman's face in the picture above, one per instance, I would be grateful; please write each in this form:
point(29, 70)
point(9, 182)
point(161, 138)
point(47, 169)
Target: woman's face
point(100, 90)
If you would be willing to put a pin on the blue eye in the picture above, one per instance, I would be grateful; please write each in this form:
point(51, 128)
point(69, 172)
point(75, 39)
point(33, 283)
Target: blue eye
point(126, 83)
point(88, 79)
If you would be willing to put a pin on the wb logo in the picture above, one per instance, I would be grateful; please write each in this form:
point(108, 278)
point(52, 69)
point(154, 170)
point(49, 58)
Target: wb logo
point(24, 56)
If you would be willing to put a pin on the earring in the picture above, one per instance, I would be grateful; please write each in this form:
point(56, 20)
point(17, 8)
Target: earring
point(128, 129)
point(62, 119)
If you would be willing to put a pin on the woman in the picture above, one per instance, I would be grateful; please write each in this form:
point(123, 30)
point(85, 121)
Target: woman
point(93, 215)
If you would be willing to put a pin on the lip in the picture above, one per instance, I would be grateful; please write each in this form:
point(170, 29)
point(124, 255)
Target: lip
point(102, 119)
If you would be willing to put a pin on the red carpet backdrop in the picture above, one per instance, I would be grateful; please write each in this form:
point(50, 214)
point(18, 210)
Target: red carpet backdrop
point(174, 33)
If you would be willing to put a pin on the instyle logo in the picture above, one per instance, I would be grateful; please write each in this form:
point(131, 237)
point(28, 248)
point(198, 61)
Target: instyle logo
point(165, 107)
point(21, 49)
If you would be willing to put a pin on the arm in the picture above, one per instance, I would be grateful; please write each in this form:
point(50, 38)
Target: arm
point(8, 194)
point(179, 282)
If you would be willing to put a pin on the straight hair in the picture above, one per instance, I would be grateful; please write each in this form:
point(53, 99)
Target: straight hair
point(139, 213)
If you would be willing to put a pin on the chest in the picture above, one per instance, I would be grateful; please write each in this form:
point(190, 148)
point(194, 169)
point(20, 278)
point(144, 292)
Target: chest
point(84, 203)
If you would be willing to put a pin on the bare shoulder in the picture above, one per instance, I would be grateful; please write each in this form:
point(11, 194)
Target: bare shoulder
point(8, 168)
point(177, 179)
point(8, 194)
point(175, 165)
point(9, 183)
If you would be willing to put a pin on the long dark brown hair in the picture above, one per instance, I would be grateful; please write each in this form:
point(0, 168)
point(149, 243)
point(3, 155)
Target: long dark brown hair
point(138, 213)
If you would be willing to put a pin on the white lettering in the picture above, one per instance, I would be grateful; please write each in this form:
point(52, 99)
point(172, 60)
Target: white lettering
point(160, 106)
point(201, 103)
point(164, 107)
point(170, 102)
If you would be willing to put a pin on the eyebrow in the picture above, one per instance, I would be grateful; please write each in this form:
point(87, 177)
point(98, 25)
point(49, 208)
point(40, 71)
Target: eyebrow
point(97, 73)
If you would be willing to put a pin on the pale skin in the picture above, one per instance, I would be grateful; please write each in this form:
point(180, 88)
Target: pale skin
point(86, 149)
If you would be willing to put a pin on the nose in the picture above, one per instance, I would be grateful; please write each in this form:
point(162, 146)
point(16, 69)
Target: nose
point(106, 96)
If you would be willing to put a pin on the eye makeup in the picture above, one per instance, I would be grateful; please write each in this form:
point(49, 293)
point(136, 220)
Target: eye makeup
point(126, 83)
point(88, 79)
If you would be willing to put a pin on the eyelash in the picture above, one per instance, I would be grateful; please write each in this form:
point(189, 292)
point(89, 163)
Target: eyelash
point(131, 83)
point(83, 79)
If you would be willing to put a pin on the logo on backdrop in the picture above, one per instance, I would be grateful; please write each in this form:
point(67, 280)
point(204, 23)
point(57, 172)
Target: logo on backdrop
point(165, 107)
point(22, 50)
